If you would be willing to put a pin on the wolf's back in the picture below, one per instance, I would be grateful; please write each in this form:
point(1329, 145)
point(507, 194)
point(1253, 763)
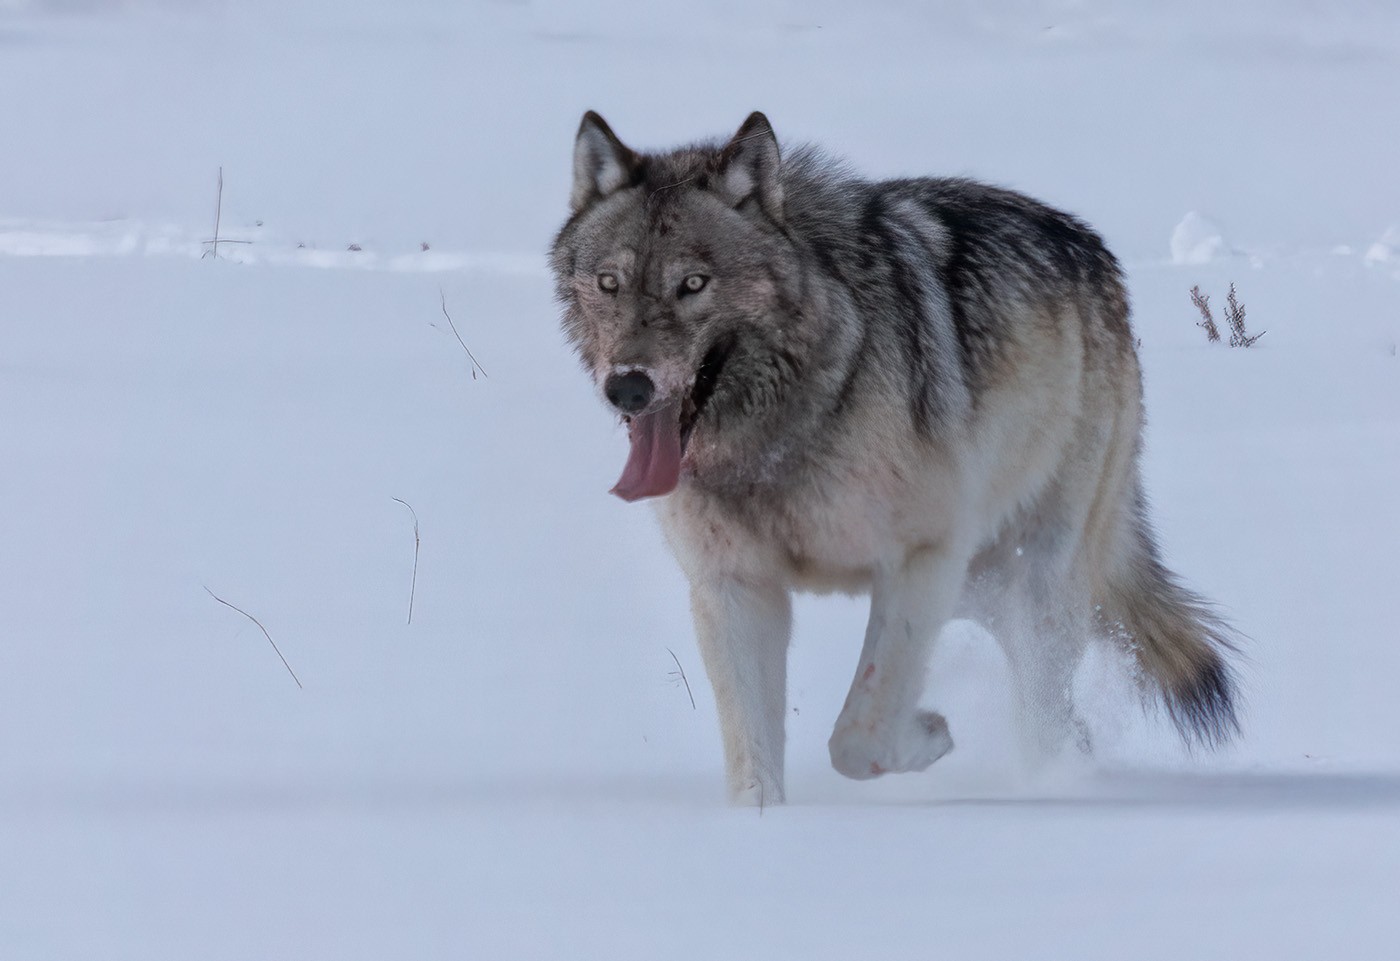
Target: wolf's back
point(951, 276)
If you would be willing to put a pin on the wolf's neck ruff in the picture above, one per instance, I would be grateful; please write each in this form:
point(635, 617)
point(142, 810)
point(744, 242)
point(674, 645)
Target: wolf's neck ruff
point(654, 464)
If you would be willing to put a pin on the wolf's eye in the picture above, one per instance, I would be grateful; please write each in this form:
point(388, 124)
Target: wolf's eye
point(608, 282)
point(693, 284)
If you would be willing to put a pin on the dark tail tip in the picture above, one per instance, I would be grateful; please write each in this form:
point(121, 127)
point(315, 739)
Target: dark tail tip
point(1203, 706)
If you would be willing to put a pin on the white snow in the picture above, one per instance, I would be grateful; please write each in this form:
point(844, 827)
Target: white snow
point(1386, 250)
point(519, 772)
point(1197, 240)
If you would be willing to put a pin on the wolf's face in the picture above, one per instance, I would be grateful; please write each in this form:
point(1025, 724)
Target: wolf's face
point(679, 291)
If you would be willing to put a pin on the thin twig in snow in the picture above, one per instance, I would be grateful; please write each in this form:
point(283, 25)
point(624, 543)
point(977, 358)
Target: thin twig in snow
point(681, 672)
point(261, 628)
point(1207, 322)
point(218, 217)
point(475, 365)
point(413, 587)
point(1234, 314)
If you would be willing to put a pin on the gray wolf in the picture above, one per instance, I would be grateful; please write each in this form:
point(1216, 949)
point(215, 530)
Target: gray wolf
point(926, 390)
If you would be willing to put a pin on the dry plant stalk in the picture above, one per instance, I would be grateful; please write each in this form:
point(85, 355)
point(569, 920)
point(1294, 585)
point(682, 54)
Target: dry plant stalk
point(213, 245)
point(475, 365)
point(261, 628)
point(1234, 319)
point(1207, 322)
point(413, 586)
point(679, 672)
point(218, 217)
point(1234, 316)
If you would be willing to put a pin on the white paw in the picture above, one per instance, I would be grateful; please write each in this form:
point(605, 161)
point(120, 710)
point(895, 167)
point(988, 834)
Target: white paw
point(863, 751)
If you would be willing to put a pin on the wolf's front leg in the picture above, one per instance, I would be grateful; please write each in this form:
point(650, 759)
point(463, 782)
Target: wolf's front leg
point(881, 730)
point(743, 628)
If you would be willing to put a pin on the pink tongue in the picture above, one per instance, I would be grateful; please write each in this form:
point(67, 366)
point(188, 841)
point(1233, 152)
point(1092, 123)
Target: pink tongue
point(654, 465)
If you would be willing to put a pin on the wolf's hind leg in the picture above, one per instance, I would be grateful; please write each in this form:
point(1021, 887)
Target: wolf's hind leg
point(743, 629)
point(881, 730)
point(1044, 639)
point(1036, 607)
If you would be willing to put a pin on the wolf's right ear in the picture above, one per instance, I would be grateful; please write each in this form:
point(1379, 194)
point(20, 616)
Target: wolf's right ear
point(602, 163)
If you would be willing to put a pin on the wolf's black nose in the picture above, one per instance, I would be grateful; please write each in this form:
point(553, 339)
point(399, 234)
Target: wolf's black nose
point(629, 392)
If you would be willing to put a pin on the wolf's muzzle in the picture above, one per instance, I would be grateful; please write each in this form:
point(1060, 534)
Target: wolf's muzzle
point(630, 392)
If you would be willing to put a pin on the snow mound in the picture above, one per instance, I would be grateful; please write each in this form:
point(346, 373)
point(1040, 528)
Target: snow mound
point(1197, 240)
point(1386, 250)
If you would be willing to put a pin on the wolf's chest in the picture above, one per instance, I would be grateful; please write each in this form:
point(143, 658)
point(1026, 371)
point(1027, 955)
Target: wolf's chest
point(822, 525)
point(832, 532)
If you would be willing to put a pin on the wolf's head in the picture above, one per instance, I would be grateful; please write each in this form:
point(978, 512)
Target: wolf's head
point(681, 293)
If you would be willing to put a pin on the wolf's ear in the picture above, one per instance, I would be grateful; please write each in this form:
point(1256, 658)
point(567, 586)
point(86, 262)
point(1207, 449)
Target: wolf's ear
point(749, 167)
point(602, 163)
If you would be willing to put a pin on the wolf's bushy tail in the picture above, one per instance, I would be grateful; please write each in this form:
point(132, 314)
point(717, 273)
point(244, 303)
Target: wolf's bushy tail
point(1179, 640)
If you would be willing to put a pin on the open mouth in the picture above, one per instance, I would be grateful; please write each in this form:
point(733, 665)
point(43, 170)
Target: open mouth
point(659, 435)
point(706, 377)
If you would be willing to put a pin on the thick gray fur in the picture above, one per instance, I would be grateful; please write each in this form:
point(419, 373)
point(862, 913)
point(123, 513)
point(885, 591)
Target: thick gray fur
point(925, 389)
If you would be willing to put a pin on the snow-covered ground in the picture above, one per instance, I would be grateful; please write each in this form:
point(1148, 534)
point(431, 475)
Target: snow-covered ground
point(519, 771)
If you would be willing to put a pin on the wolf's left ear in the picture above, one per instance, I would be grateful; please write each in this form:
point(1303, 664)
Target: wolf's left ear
point(602, 163)
point(749, 167)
